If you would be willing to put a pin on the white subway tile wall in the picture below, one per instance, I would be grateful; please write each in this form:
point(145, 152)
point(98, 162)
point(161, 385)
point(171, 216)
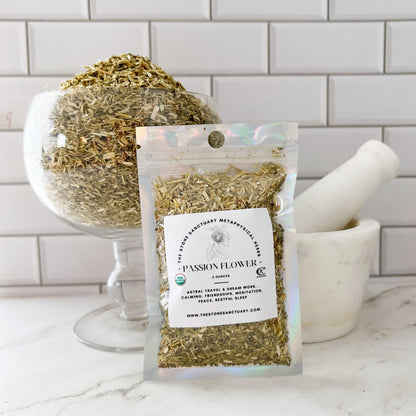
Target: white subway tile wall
point(372, 99)
point(150, 9)
point(21, 212)
point(402, 141)
point(44, 9)
point(54, 49)
point(394, 203)
point(372, 9)
point(269, 98)
point(326, 47)
point(196, 84)
point(210, 48)
point(45, 290)
point(400, 47)
point(323, 149)
point(19, 261)
point(12, 168)
point(269, 10)
point(16, 96)
point(344, 69)
point(398, 250)
point(76, 259)
point(13, 48)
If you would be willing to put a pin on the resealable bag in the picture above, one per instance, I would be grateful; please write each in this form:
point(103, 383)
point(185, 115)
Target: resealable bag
point(220, 250)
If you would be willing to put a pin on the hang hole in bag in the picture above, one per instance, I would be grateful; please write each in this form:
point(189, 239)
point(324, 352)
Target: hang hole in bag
point(216, 139)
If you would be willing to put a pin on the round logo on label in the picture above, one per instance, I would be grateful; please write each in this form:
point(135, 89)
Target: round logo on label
point(261, 272)
point(180, 279)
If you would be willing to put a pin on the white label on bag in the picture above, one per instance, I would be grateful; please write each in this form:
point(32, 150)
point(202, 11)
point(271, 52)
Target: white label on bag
point(220, 268)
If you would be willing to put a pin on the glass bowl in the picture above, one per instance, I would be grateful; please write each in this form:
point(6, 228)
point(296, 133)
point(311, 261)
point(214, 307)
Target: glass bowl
point(80, 158)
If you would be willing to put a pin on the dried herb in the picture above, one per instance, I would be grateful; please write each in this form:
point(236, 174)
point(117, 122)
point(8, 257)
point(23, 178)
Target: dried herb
point(257, 343)
point(124, 70)
point(89, 157)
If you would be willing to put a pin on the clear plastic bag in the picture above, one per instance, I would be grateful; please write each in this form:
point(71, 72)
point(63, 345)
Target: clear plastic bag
point(220, 250)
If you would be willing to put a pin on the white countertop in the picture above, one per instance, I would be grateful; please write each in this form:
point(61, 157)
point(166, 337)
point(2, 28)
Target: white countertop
point(45, 371)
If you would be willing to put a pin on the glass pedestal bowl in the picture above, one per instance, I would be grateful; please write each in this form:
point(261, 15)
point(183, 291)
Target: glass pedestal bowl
point(80, 157)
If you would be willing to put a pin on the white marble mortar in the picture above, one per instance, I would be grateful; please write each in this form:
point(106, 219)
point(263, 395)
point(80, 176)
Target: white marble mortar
point(333, 272)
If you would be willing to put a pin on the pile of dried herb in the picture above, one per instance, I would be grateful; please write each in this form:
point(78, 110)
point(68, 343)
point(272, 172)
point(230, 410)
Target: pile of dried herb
point(256, 343)
point(89, 157)
point(125, 70)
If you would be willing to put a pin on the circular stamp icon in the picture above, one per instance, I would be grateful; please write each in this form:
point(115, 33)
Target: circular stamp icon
point(261, 272)
point(180, 279)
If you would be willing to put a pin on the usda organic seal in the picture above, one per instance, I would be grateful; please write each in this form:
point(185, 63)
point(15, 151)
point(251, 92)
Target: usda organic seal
point(180, 279)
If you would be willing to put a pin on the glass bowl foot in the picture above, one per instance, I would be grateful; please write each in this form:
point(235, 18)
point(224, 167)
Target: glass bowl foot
point(106, 330)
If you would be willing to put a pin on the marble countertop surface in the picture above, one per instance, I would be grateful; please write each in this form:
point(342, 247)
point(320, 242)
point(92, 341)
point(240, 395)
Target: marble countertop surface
point(45, 371)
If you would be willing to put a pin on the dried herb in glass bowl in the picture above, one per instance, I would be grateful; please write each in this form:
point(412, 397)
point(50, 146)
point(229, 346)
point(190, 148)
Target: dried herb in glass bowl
point(88, 147)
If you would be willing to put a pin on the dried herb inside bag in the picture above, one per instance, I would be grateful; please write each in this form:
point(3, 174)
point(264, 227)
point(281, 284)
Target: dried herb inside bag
point(219, 244)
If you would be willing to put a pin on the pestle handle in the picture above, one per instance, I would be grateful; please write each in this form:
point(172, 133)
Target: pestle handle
point(331, 203)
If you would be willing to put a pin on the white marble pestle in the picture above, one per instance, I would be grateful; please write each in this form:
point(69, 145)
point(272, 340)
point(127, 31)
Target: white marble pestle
point(331, 203)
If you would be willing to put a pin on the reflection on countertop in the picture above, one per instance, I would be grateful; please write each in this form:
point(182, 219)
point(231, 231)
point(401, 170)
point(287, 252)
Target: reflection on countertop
point(44, 370)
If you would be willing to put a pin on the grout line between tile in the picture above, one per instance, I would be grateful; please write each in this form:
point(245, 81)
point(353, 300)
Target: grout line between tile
point(302, 74)
point(66, 284)
point(248, 74)
point(395, 275)
point(268, 48)
point(11, 130)
point(149, 29)
point(301, 126)
point(356, 126)
point(202, 20)
point(380, 242)
point(313, 178)
point(89, 9)
point(39, 261)
point(14, 183)
point(8, 235)
point(327, 100)
point(35, 76)
point(101, 286)
point(309, 178)
point(27, 47)
point(406, 177)
point(385, 48)
point(398, 226)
